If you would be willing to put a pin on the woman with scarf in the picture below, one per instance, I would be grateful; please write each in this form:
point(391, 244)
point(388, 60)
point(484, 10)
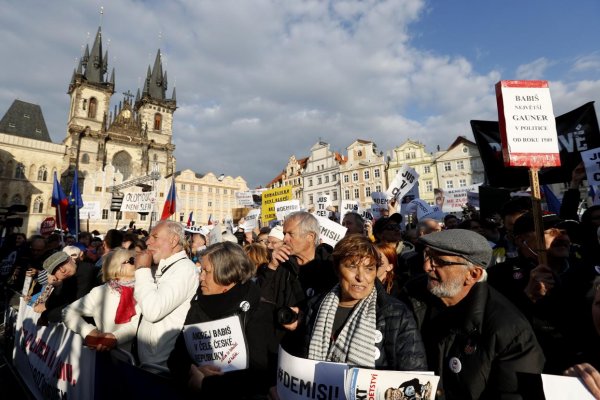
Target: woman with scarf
point(222, 351)
point(357, 322)
point(112, 306)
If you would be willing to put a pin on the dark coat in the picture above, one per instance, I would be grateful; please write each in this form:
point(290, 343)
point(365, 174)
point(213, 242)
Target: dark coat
point(478, 346)
point(257, 325)
point(401, 347)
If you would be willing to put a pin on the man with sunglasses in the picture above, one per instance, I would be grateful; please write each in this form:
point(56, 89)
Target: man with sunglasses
point(475, 339)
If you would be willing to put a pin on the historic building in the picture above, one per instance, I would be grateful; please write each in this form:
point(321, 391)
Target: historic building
point(321, 175)
point(362, 173)
point(291, 176)
point(460, 165)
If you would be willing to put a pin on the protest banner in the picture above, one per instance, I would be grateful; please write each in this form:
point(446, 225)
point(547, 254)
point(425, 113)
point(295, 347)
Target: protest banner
point(330, 231)
point(455, 199)
point(362, 384)
point(577, 131)
point(321, 206)
point(269, 198)
point(404, 180)
point(558, 387)
point(283, 208)
point(52, 361)
point(251, 220)
point(90, 210)
point(47, 226)
point(244, 199)
point(220, 343)
point(591, 161)
point(300, 379)
point(348, 206)
point(380, 203)
point(473, 198)
point(138, 201)
point(527, 124)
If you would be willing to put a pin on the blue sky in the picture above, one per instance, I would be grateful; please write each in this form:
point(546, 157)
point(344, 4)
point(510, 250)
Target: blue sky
point(261, 80)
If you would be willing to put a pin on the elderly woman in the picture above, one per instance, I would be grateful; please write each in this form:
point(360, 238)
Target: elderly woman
point(111, 305)
point(357, 322)
point(226, 290)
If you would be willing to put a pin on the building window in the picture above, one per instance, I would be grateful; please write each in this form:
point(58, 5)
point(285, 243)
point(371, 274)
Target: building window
point(366, 174)
point(84, 105)
point(16, 199)
point(410, 155)
point(427, 169)
point(20, 171)
point(462, 183)
point(143, 217)
point(346, 195)
point(447, 166)
point(378, 188)
point(181, 217)
point(98, 189)
point(183, 186)
point(428, 186)
point(368, 191)
point(93, 108)
point(153, 215)
point(209, 189)
point(157, 122)
point(104, 214)
point(460, 165)
point(319, 180)
point(310, 199)
point(85, 158)
point(42, 174)
point(326, 178)
point(210, 203)
point(465, 150)
point(356, 193)
point(346, 178)
point(355, 176)
point(38, 205)
point(310, 183)
point(224, 191)
point(450, 184)
point(376, 173)
point(334, 177)
point(335, 195)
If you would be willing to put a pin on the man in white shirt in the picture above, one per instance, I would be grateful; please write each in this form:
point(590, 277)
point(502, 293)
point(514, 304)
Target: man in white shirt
point(164, 299)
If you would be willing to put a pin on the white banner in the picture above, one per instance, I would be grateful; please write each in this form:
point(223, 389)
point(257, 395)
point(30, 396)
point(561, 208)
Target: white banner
point(251, 220)
point(90, 210)
point(404, 180)
point(244, 199)
point(455, 199)
point(331, 231)
point(220, 343)
point(591, 161)
point(301, 379)
point(383, 385)
point(380, 202)
point(52, 360)
point(348, 206)
point(284, 208)
point(322, 203)
point(138, 201)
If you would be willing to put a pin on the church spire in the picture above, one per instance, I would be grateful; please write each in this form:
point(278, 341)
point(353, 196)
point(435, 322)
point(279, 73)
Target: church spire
point(157, 85)
point(96, 66)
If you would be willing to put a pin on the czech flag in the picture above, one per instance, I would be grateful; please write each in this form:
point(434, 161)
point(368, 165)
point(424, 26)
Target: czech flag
point(170, 206)
point(60, 202)
point(190, 220)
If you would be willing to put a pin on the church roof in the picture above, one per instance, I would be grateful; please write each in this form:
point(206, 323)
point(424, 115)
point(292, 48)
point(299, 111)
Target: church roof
point(25, 120)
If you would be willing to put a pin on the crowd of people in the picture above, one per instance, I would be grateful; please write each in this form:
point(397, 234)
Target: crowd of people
point(468, 299)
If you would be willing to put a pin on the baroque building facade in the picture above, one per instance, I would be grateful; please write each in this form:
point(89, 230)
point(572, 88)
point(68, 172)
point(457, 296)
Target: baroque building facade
point(460, 165)
point(291, 176)
point(321, 175)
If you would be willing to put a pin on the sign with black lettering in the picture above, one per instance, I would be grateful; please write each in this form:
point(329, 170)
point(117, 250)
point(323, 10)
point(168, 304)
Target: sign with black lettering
point(331, 232)
point(527, 125)
point(138, 202)
point(321, 206)
point(284, 208)
point(380, 203)
point(220, 343)
point(348, 206)
point(591, 160)
point(251, 220)
point(269, 198)
point(370, 384)
point(404, 180)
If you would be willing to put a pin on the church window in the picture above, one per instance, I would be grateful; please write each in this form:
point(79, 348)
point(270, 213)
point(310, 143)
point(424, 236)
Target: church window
point(11, 125)
point(16, 199)
point(26, 116)
point(85, 158)
point(93, 108)
point(157, 122)
point(38, 205)
point(122, 163)
point(42, 174)
point(84, 104)
point(20, 171)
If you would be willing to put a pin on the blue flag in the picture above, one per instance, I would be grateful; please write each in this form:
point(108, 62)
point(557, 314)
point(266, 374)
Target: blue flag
point(551, 200)
point(75, 203)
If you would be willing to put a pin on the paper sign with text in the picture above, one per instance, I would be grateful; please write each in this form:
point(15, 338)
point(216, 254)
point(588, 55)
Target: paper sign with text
point(384, 385)
point(272, 196)
point(380, 202)
point(404, 180)
point(244, 199)
point(348, 206)
point(331, 231)
point(220, 343)
point(301, 379)
point(321, 206)
point(527, 124)
point(90, 210)
point(558, 387)
point(138, 201)
point(455, 199)
point(284, 208)
point(591, 160)
point(251, 220)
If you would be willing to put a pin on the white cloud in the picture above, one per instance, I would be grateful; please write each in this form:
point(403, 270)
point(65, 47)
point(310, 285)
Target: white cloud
point(533, 70)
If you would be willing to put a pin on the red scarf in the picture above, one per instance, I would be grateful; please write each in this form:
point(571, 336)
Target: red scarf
point(126, 308)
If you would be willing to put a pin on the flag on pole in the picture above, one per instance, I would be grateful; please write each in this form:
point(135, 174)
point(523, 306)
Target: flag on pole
point(210, 221)
point(75, 203)
point(170, 206)
point(551, 200)
point(60, 202)
point(190, 219)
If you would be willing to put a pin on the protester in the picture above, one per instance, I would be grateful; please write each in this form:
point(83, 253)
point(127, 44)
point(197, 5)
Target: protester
point(112, 306)
point(354, 223)
point(357, 322)
point(164, 299)
point(258, 254)
point(263, 236)
point(451, 221)
point(385, 271)
point(476, 340)
point(275, 238)
point(226, 289)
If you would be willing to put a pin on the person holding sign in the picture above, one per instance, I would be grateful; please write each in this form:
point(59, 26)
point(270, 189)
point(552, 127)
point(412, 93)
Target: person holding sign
point(222, 350)
point(357, 322)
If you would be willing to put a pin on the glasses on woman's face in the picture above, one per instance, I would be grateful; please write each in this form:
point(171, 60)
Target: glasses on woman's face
point(130, 260)
point(437, 262)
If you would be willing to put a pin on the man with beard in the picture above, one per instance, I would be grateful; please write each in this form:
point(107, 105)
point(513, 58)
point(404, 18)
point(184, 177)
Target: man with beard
point(476, 340)
point(551, 296)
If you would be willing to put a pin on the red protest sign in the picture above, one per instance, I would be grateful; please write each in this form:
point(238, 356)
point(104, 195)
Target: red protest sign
point(48, 226)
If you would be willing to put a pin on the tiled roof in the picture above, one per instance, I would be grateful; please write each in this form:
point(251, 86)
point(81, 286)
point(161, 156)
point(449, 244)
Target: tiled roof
point(25, 120)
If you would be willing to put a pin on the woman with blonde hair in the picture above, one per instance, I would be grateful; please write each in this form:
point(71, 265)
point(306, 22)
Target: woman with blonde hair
point(258, 254)
point(112, 306)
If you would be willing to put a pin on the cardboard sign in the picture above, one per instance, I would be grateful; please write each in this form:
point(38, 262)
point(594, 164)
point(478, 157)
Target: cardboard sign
point(383, 385)
point(220, 343)
point(404, 180)
point(47, 226)
point(244, 199)
point(272, 196)
point(138, 201)
point(455, 199)
point(591, 161)
point(283, 208)
point(90, 210)
point(348, 206)
point(301, 379)
point(251, 220)
point(380, 202)
point(527, 125)
point(331, 231)
point(322, 203)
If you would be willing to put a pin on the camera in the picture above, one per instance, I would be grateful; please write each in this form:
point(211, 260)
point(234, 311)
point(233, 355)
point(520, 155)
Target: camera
point(285, 315)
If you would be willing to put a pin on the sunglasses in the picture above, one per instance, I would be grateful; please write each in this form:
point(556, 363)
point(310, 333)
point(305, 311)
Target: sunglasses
point(130, 260)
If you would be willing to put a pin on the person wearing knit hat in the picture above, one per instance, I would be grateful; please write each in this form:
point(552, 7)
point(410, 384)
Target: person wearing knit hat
point(475, 339)
point(275, 238)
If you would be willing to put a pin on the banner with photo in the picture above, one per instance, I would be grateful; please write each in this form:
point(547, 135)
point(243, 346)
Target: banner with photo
point(385, 385)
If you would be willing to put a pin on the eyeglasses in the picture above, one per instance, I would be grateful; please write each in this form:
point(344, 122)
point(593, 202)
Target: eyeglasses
point(130, 260)
point(437, 262)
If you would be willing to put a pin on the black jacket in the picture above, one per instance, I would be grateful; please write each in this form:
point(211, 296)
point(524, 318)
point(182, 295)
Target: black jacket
point(401, 347)
point(250, 383)
point(478, 346)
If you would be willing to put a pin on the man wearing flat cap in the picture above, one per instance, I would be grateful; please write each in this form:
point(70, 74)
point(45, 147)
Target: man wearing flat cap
point(475, 339)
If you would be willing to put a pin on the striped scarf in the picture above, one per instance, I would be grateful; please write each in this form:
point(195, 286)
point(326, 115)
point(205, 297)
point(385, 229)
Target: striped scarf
point(355, 343)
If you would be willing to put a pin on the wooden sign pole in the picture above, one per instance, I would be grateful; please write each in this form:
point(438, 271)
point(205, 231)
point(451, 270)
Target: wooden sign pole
point(536, 200)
